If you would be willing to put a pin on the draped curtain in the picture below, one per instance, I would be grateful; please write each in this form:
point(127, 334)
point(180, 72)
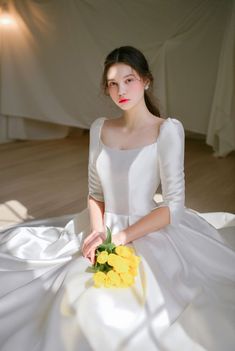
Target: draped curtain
point(52, 60)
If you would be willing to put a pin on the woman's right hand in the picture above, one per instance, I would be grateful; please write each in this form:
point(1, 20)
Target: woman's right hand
point(91, 243)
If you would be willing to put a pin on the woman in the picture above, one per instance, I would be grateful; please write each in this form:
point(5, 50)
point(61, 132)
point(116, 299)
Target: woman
point(126, 79)
point(185, 291)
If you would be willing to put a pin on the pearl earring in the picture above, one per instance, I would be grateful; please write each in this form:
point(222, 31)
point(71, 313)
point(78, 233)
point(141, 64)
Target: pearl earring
point(146, 87)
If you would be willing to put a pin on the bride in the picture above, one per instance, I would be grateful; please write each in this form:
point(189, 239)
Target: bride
point(184, 295)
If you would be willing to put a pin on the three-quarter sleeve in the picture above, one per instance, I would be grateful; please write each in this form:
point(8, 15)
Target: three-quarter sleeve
point(94, 185)
point(171, 165)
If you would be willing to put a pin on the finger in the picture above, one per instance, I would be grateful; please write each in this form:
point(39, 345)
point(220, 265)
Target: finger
point(88, 240)
point(89, 237)
point(93, 258)
point(97, 236)
point(93, 246)
point(89, 258)
point(89, 247)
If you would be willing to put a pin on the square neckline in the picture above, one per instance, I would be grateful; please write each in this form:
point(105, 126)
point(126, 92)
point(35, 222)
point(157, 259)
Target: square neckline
point(131, 149)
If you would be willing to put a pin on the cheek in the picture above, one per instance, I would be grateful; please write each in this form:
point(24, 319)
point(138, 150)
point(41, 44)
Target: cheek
point(137, 88)
point(113, 94)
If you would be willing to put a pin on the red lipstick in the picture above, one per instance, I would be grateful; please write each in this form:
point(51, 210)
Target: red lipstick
point(123, 100)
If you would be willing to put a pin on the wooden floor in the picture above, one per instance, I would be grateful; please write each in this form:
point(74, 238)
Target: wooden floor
point(49, 178)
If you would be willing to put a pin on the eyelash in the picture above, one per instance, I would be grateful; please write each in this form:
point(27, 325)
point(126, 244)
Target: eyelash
point(129, 80)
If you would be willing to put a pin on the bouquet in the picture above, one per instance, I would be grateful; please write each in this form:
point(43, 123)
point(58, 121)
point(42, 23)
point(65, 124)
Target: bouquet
point(115, 266)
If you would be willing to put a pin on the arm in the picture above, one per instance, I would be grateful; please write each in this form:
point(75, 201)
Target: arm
point(97, 235)
point(155, 220)
point(96, 213)
point(171, 166)
point(95, 200)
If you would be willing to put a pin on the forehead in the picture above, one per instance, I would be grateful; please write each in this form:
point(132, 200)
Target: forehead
point(120, 70)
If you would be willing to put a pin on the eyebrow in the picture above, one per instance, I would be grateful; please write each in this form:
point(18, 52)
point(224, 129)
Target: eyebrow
point(131, 74)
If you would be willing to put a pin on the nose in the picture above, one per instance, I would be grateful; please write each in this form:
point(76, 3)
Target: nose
point(121, 89)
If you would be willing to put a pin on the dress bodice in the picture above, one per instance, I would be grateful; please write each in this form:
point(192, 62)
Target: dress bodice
point(127, 180)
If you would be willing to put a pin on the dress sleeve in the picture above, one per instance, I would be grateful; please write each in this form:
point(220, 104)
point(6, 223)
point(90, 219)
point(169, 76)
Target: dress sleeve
point(171, 164)
point(94, 185)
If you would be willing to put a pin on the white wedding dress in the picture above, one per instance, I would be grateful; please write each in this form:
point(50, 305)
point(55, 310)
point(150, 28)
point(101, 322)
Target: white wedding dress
point(184, 296)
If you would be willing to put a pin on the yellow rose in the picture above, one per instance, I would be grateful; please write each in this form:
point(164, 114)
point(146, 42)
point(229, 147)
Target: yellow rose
point(121, 265)
point(132, 251)
point(122, 285)
point(127, 278)
point(112, 259)
point(133, 271)
point(123, 251)
point(118, 263)
point(114, 277)
point(99, 279)
point(134, 261)
point(108, 282)
point(102, 257)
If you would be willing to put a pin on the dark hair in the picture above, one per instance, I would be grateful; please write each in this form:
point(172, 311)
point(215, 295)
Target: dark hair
point(134, 58)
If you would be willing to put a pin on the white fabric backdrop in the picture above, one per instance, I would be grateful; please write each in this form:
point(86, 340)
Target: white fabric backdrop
point(51, 61)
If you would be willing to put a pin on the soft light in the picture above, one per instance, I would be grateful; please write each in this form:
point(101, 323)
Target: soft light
point(6, 20)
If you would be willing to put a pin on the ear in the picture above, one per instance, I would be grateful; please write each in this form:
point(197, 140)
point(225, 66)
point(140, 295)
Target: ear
point(146, 83)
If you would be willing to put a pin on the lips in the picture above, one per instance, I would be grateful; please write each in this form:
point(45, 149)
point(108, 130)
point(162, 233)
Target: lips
point(123, 100)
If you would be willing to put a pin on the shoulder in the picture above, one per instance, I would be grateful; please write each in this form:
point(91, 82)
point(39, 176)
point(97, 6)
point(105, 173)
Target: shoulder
point(95, 132)
point(97, 123)
point(170, 127)
point(171, 137)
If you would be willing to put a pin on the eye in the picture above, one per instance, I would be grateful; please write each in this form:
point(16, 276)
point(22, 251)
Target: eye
point(112, 84)
point(129, 80)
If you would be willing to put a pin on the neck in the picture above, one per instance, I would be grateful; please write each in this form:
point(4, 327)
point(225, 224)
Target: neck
point(137, 116)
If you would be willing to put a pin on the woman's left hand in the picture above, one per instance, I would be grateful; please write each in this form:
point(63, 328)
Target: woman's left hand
point(91, 243)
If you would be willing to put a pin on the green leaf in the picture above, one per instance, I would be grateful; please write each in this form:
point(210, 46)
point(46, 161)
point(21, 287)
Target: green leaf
point(108, 246)
point(101, 247)
point(109, 236)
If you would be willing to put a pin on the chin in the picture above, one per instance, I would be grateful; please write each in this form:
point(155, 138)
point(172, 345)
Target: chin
point(126, 107)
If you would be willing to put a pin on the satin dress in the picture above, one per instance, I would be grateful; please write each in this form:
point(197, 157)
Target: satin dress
point(184, 295)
